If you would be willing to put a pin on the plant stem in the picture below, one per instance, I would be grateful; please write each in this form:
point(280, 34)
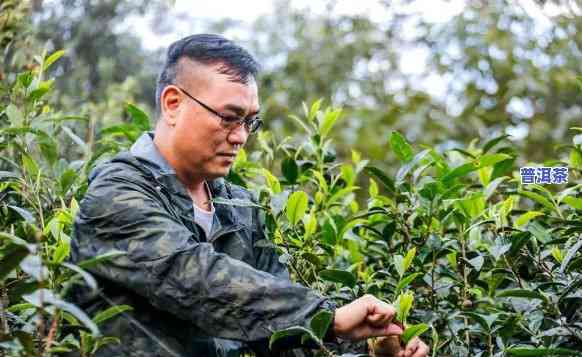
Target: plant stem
point(432, 287)
point(52, 333)
point(3, 320)
point(465, 281)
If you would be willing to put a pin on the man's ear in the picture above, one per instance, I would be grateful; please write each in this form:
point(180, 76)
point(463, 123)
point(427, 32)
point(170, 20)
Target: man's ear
point(170, 100)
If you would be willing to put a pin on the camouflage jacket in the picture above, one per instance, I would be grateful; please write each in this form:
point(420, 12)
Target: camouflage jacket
point(191, 295)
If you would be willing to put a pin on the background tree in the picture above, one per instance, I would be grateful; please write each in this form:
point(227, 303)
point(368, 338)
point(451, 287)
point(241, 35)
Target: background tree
point(492, 69)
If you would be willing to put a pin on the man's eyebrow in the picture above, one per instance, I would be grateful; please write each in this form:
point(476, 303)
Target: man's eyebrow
point(239, 110)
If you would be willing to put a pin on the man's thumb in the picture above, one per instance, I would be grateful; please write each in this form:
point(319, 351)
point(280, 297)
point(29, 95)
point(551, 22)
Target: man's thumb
point(393, 329)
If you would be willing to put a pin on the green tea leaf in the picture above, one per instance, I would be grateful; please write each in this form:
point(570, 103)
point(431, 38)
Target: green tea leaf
point(62, 250)
point(67, 179)
point(289, 332)
point(310, 225)
point(486, 321)
point(329, 119)
point(33, 266)
point(491, 143)
point(321, 322)
point(42, 89)
point(290, 170)
point(522, 293)
point(111, 312)
point(452, 259)
point(477, 262)
point(490, 159)
point(573, 202)
point(25, 79)
point(401, 147)
point(537, 198)
point(272, 181)
point(557, 254)
point(89, 279)
point(48, 147)
point(314, 109)
point(526, 217)
point(457, 172)
point(404, 282)
point(296, 207)
point(140, 118)
point(540, 351)
point(53, 58)
point(301, 124)
point(576, 158)
point(338, 276)
point(492, 186)
point(408, 259)
point(24, 213)
point(14, 115)
point(348, 174)
point(30, 166)
point(570, 255)
point(405, 169)
point(413, 331)
point(403, 305)
point(13, 255)
point(386, 181)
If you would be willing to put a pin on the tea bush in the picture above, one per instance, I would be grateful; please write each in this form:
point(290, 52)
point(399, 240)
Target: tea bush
point(495, 266)
point(41, 180)
point(477, 263)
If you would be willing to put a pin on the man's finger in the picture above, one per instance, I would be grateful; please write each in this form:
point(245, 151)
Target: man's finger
point(422, 350)
point(379, 320)
point(375, 319)
point(383, 308)
point(386, 330)
point(412, 347)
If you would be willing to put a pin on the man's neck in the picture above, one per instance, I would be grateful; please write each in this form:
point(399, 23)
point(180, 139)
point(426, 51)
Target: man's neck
point(201, 197)
point(196, 186)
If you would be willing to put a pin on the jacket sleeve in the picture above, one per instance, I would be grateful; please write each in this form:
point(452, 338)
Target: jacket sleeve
point(267, 260)
point(176, 273)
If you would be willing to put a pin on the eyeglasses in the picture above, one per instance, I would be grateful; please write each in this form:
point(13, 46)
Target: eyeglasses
point(251, 125)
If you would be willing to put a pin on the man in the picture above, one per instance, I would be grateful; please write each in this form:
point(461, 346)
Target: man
point(198, 284)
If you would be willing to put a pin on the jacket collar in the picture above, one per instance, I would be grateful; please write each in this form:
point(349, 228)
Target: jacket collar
point(147, 153)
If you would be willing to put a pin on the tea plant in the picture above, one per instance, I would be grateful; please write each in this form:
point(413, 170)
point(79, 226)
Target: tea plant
point(39, 191)
point(495, 266)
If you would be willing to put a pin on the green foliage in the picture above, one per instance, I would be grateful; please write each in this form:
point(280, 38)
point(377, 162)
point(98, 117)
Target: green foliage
point(493, 266)
point(40, 185)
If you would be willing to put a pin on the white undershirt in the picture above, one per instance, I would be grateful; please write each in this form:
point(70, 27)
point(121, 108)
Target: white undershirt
point(203, 217)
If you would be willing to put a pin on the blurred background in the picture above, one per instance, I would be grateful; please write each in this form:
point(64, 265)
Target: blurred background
point(441, 72)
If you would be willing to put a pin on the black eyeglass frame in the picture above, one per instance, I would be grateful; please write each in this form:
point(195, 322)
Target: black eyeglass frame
point(252, 125)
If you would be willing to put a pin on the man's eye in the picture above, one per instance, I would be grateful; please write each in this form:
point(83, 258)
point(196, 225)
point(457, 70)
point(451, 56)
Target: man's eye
point(230, 119)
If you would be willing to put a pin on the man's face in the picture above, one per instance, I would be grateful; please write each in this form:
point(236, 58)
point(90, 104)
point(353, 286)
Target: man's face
point(204, 148)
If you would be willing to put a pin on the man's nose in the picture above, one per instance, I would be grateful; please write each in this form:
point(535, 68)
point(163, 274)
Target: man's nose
point(238, 135)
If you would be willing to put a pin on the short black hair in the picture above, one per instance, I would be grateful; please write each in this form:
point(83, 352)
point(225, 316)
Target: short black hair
point(208, 49)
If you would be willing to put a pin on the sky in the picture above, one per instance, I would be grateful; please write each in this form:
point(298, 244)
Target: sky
point(412, 63)
point(431, 10)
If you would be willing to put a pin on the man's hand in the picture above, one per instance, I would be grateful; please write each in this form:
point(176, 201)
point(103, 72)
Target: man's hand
point(365, 317)
point(390, 347)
